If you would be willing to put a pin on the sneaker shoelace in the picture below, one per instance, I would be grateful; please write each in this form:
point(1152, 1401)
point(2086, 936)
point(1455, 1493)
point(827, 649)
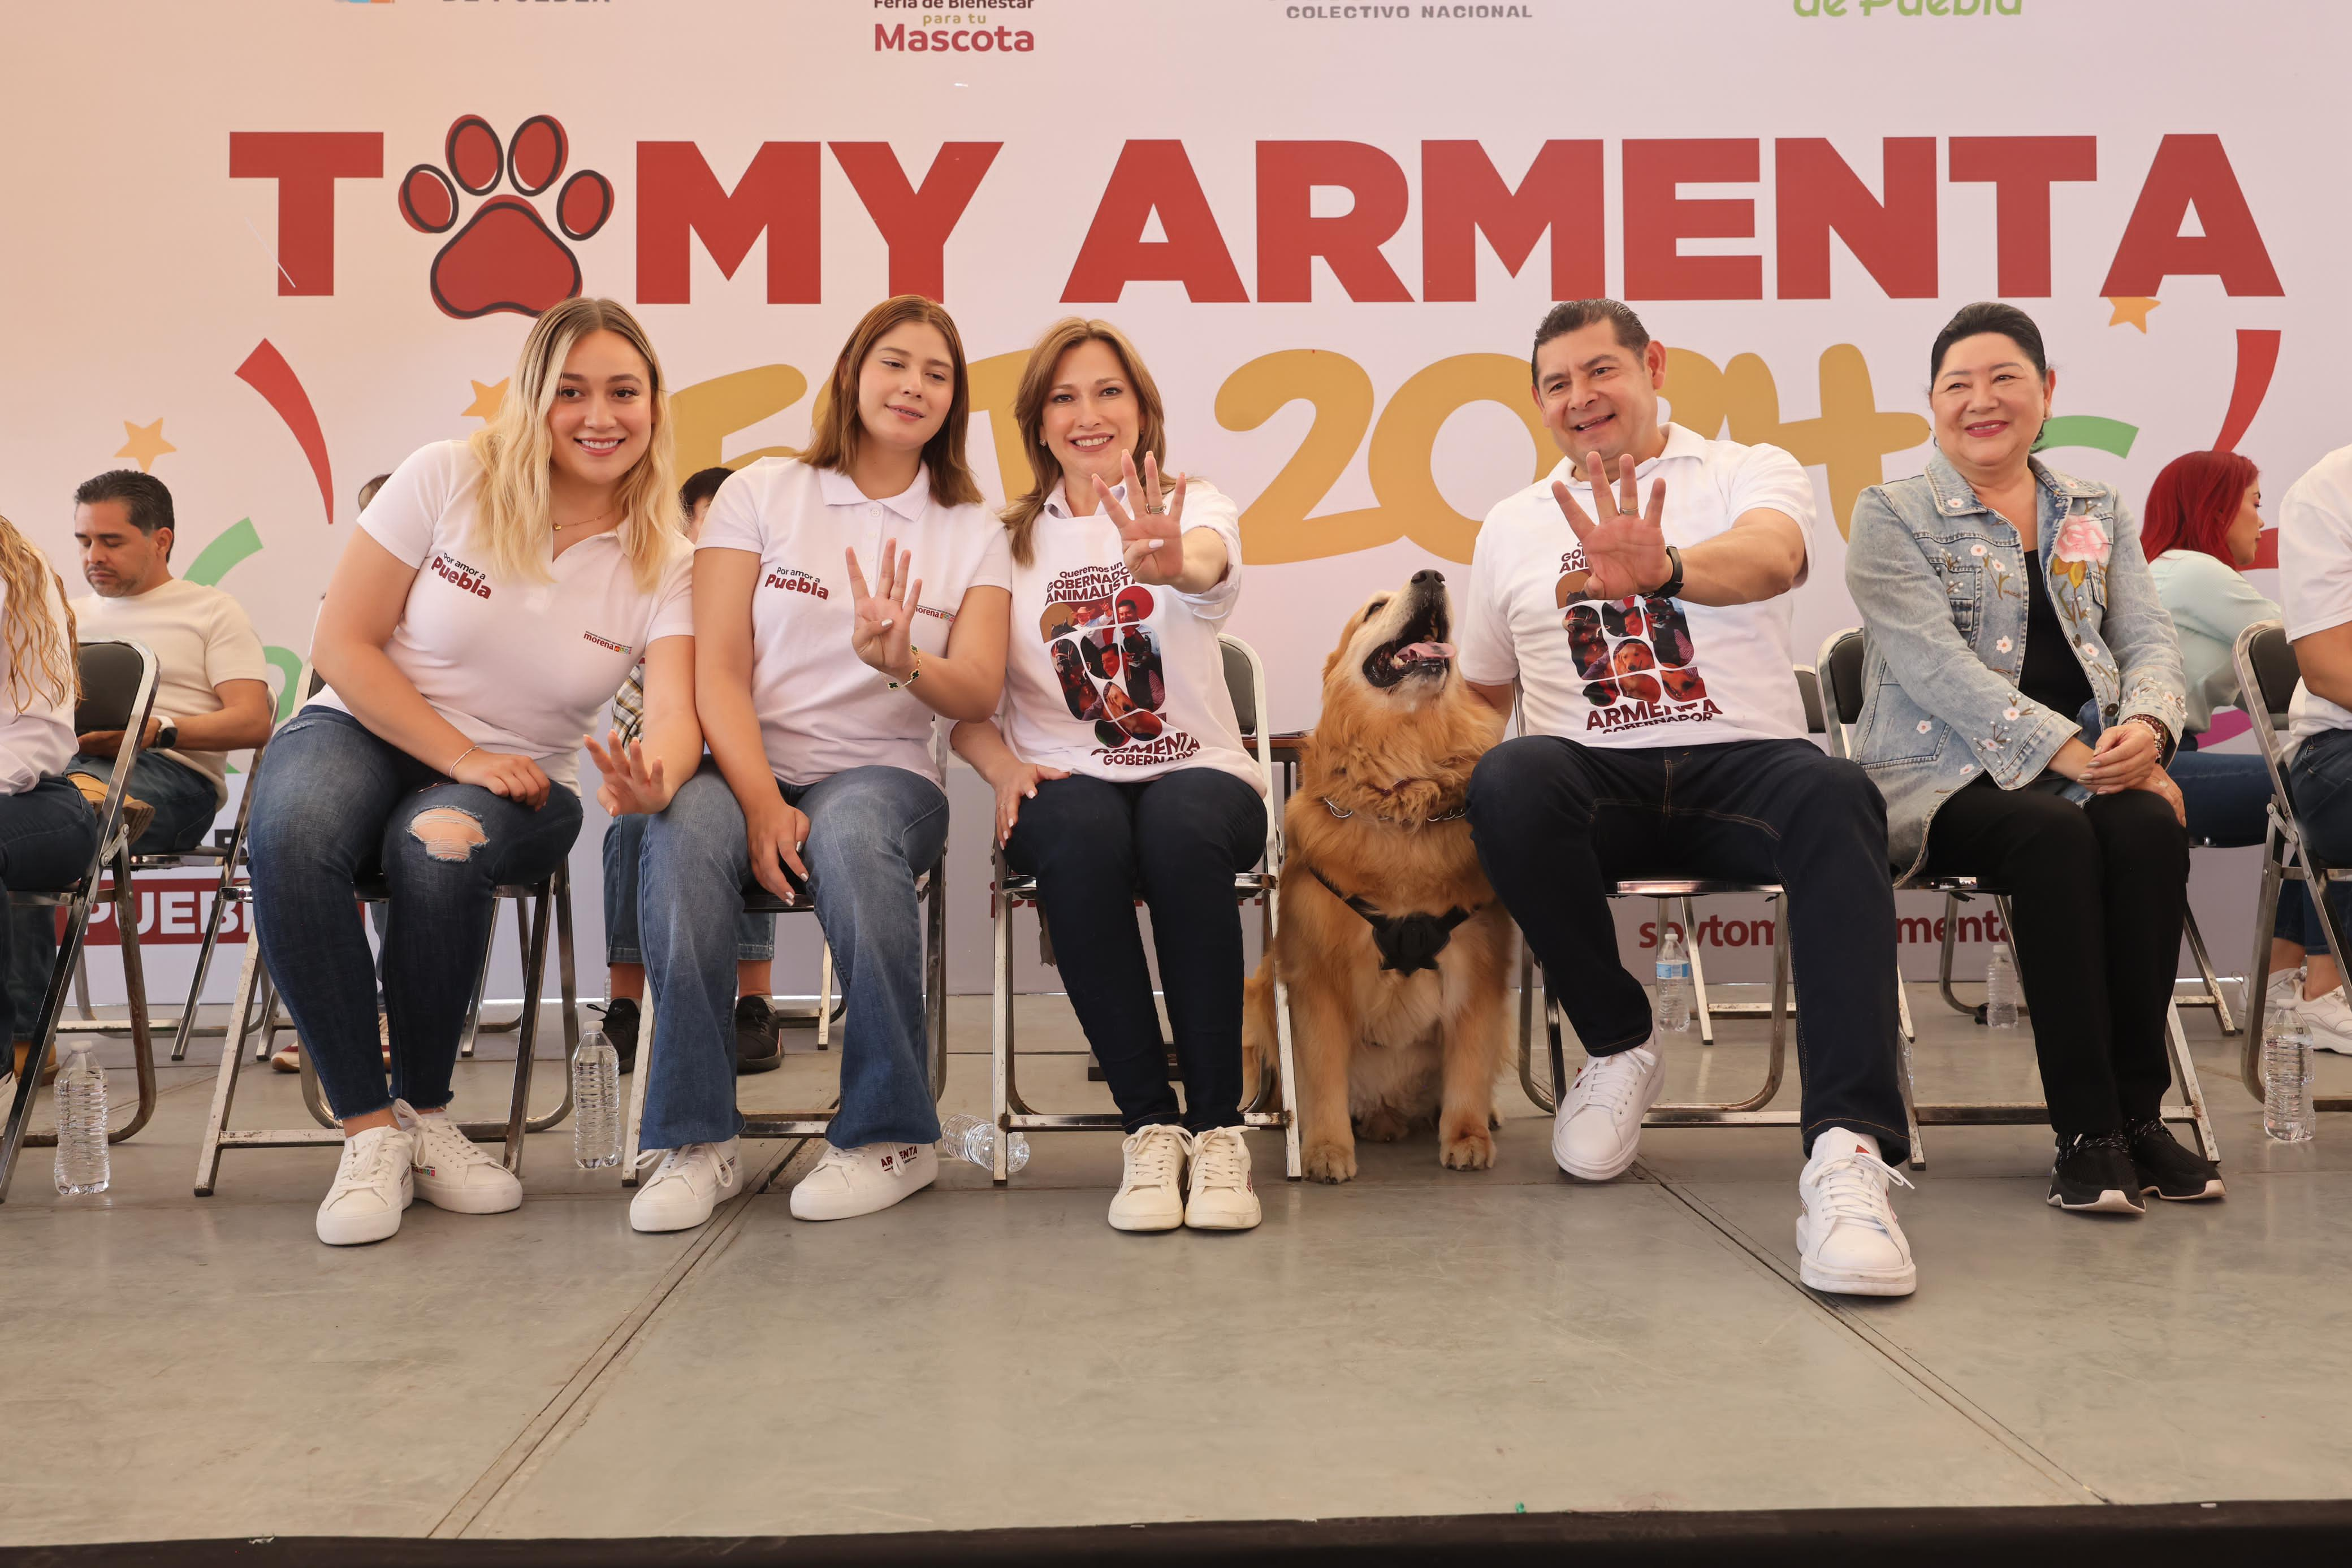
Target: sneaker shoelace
point(1854, 1186)
point(1219, 1158)
point(363, 1167)
point(450, 1147)
point(1608, 1081)
point(2081, 1142)
point(1153, 1160)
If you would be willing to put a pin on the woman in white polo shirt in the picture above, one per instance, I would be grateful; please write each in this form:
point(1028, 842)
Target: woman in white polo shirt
point(842, 601)
point(495, 594)
point(1119, 766)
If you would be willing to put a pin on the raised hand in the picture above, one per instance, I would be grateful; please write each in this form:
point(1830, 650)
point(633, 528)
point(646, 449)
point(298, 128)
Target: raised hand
point(633, 785)
point(1625, 543)
point(1151, 541)
point(882, 630)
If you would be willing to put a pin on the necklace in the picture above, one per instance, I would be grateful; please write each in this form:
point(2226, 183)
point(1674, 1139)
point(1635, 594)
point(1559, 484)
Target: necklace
point(558, 528)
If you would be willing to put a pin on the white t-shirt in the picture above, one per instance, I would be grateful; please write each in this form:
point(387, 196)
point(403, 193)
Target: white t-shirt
point(516, 667)
point(822, 709)
point(2316, 576)
point(1121, 680)
point(38, 741)
point(200, 638)
point(1638, 672)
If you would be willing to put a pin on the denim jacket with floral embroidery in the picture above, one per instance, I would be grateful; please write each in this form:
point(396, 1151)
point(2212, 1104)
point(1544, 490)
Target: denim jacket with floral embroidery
point(1940, 581)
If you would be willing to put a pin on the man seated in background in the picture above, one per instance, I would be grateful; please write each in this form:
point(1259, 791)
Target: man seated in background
point(757, 1048)
point(2315, 591)
point(211, 693)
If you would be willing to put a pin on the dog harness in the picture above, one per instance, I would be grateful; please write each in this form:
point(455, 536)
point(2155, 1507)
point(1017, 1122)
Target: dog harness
point(1406, 942)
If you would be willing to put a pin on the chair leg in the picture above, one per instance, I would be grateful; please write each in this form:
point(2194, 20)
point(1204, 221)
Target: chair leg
point(935, 978)
point(1558, 1049)
point(2184, 1068)
point(1951, 941)
point(645, 1069)
point(134, 991)
point(534, 975)
point(82, 1010)
point(1698, 967)
point(2221, 1004)
point(2258, 968)
point(251, 982)
point(824, 995)
point(223, 896)
point(1541, 1096)
point(1294, 1164)
point(1000, 1020)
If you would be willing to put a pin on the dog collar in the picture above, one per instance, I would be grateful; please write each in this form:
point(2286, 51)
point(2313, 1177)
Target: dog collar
point(1456, 815)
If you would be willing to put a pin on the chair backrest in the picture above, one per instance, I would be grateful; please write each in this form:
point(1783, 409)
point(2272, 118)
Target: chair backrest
point(1809, 687)
point(1241, 680)
point(1839, 666)
point(2267, 667)
point(112, 674)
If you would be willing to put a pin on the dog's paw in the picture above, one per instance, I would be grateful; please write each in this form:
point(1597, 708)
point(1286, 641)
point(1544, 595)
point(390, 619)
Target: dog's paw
point(1382, 1124)
point(1472, 1151)
point(1330, 1163)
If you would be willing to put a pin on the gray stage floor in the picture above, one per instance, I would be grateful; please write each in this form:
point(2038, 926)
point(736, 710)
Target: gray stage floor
point(1420, 1342)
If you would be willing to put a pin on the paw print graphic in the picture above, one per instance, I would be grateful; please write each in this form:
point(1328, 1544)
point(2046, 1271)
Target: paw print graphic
point(505, 257)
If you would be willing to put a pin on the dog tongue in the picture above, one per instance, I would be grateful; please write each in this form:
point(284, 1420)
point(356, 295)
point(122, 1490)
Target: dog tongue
point(1430, 651)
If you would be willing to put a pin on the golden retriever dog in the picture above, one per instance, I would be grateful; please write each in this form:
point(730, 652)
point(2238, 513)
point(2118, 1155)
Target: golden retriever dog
point(1395, 951)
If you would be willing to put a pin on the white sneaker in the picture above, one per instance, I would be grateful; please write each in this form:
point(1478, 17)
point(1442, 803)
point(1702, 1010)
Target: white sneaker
point(2329, 1018)
point(688, 1186)
point(2285, 988)
point(1150, 1189)
point(848, 1183)
point(454, 1172)
point(1597, 1128)
point(372, 1188)
point(1847, 1241)
point(1223, 1197)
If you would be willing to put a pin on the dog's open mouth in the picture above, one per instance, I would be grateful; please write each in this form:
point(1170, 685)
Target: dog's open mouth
point(1420, 652)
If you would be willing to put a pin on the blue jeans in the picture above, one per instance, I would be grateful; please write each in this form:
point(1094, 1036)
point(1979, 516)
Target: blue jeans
point(871, 832)
point(337, 805)
point(624, 841)
point(2320, 778)
point(48, 834)
point(184, 807)
point(1178, 840)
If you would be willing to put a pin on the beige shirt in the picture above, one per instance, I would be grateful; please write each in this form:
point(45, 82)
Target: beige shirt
point(200, 638)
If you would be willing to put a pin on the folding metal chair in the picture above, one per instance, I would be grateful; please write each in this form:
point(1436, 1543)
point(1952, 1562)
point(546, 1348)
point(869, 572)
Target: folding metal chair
point(1842, 670)
point(2267, 669)
point(117, 692)
point(930, 886)
point(1246, 680)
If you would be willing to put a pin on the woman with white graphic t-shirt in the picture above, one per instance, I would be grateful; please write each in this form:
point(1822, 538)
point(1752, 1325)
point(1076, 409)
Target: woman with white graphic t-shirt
point(1119, 766)
point(496, 592)
point(843, 600)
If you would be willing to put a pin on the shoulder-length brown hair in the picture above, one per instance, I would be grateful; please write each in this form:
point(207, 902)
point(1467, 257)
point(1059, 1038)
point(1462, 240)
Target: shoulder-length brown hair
point(1029, 416)
point(834, 442)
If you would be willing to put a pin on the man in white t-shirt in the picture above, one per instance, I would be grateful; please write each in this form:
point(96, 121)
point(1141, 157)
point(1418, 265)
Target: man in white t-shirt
point(1662, 733)
point(2315, 591)
point(211, 694)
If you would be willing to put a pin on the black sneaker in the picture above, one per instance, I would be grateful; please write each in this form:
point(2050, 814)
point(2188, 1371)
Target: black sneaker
point(756, 1050)
point(621, 1028)
point(2167, 1169)
point(2093, 1175)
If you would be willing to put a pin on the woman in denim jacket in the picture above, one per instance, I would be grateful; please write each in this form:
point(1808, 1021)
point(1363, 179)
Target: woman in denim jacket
point(2023, 691)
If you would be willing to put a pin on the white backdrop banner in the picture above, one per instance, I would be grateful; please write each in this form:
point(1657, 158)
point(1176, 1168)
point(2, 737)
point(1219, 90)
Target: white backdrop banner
point(264, 250)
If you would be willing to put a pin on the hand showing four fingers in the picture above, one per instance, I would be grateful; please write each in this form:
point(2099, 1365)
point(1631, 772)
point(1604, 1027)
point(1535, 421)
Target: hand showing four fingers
point(882, 624)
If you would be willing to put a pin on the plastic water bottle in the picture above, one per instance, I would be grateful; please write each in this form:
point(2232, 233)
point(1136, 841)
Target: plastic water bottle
point(597, 1103)
point(1673, 981)
point(83, 1163)
point(2286, 1076)
point(2000, 990)
point(974, 1138)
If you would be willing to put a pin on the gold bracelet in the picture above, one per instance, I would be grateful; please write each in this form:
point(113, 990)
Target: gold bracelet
point(912, 675)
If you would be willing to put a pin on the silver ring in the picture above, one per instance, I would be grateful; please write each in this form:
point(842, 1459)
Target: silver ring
point(1153, 511)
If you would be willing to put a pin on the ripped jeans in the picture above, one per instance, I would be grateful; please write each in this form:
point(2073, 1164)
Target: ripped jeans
point(334, 805)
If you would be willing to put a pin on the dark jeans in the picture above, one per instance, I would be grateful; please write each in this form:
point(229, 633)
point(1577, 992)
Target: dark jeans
point(1558, 825)
point(48, 834)
point(184, 807)
point(2096, 892)
point(1178, 841)
point(336, 804)
point(2319, 778)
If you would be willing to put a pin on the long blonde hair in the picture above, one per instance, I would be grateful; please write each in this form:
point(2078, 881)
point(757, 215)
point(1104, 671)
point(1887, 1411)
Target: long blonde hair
point(512, 515)
point(40, 652)
point(839, 432)
point(1029, 417)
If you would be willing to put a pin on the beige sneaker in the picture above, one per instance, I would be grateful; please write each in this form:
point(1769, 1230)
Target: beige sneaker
point(2329, 1020)
point(372, 1189)
point(1150, 1189)
point(848, 1183)
point(1223, 1197)
point(454, 1172)
point(136, 813)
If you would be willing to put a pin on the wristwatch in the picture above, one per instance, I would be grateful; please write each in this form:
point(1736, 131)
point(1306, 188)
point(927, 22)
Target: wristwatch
point(1674, 583)
point(167, 735)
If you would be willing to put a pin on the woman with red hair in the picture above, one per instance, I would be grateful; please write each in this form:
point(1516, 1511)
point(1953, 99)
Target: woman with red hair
point(2199, 527)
